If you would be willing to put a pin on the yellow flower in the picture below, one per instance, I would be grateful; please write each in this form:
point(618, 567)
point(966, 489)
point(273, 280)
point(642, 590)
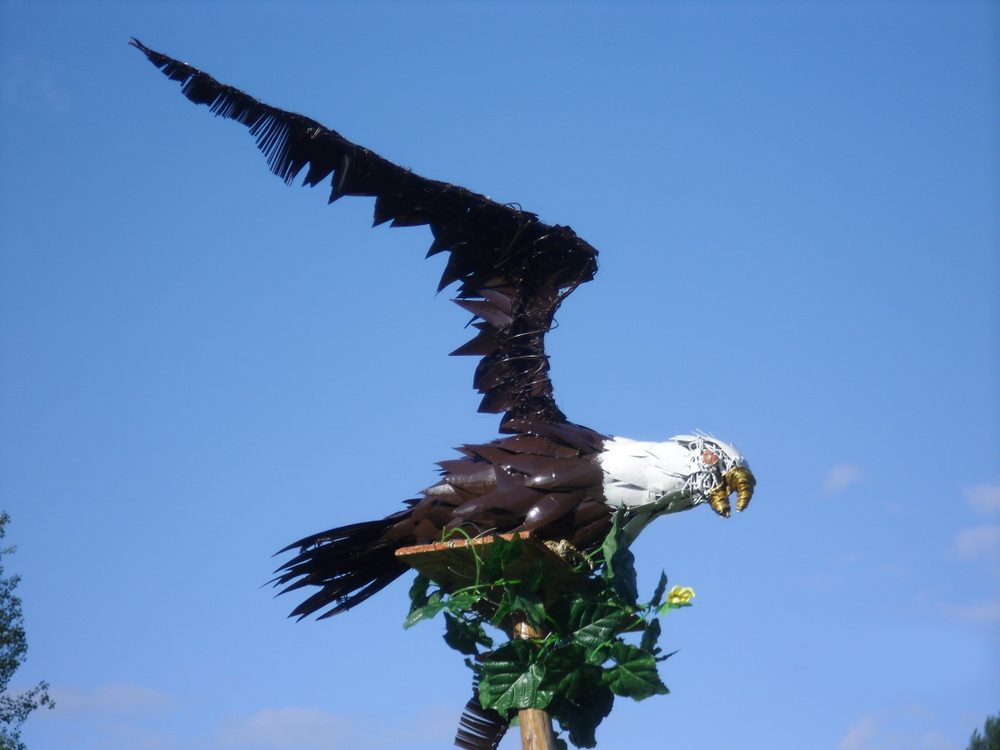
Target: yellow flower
point(680, 596)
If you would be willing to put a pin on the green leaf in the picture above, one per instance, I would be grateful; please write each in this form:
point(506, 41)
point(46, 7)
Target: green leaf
point(418, 591)
point(619, 562)
point(667, 606)
point(611, 542)
point(581, 704)
point(634, 674)
point(434, 605)
point(661, 588)
point(562, 662)
point(594, 624)
point(511, 679)
point(502, 552)
point(526, 603)
point(578, 668)
point(624, 579)
point(464, 635)
point(649, 637)
point(462, 601)
point(666, 656)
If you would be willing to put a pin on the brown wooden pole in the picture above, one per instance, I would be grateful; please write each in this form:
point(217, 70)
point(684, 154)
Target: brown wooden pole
point(536, 724)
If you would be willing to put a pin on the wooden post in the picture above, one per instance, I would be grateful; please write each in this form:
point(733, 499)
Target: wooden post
point(536, 724)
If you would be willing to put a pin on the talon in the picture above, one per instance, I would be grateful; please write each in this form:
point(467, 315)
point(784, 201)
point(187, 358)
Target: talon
point(742, 482)
point(719, 500)
point(738, 480)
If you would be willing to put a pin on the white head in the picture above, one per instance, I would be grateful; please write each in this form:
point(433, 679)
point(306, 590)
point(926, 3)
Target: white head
point(653, 478)
point(723, 471)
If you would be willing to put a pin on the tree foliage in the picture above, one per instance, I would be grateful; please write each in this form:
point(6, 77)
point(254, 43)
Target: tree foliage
point(14, 707)
point(583, 662)
point(990, 737)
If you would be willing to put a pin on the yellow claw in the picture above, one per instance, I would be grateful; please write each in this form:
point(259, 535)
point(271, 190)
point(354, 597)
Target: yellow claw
point(738, 480)
point(719, 500)
point(742, 482)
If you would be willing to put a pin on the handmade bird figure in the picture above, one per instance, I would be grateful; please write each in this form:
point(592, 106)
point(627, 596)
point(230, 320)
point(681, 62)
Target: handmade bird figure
point(545, 474)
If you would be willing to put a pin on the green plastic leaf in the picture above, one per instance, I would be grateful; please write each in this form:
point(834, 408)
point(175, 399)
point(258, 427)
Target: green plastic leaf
point(619, 562)
point(581, 704)
point(534, 578)
point(510, 679)
point(661, 588)
point(418, 590)
point(624, 579)
point(611, 542)
point(462, 601)
point(667, 606)
point(650, 636)
point(594, 624)
point(564, 662)
point(465, 636)
point(666, 656)
point(576, 671)
point(634, 674)
point(526, 603)
point(502, 552)
point(434, 604)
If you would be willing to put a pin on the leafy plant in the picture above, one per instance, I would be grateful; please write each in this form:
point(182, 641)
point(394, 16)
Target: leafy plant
point(990, 737)
point(14, 707)
point(583, 661)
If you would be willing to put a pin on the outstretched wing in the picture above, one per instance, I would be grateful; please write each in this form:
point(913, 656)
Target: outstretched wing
point(513, 271)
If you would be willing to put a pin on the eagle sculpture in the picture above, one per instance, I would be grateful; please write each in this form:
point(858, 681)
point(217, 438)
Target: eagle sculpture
point(545, 474)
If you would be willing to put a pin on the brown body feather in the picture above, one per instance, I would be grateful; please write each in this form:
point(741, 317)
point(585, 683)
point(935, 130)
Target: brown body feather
point(541, 480)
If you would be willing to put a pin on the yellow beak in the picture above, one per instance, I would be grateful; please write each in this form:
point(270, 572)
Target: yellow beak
point(738, 480)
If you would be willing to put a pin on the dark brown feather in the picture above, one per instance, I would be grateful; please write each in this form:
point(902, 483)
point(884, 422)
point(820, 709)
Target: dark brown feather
point(549, 485)
point(513, 270)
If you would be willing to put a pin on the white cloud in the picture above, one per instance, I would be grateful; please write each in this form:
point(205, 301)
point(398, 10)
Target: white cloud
point(433, 726)
point(118, 698)
point(842, 476)
point(984, 498)
point(139, 718)
point(978, 541)
point(297, 727)
point(933, 741)
point(893, 732)
point(306, 728)
point(987, 612)
point(859, 736)
point(134, 736)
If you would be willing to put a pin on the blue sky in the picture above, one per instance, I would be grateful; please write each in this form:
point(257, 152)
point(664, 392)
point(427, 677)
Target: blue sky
point(797, 210)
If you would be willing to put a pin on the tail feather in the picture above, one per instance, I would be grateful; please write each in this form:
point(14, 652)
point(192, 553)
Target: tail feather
point(480, 728)
point(348, 564)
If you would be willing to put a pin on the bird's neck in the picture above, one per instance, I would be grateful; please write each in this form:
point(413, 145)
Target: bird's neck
point(659, 476)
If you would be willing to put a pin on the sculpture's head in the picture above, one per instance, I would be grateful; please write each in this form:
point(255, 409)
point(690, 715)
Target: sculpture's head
point(723, 472)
